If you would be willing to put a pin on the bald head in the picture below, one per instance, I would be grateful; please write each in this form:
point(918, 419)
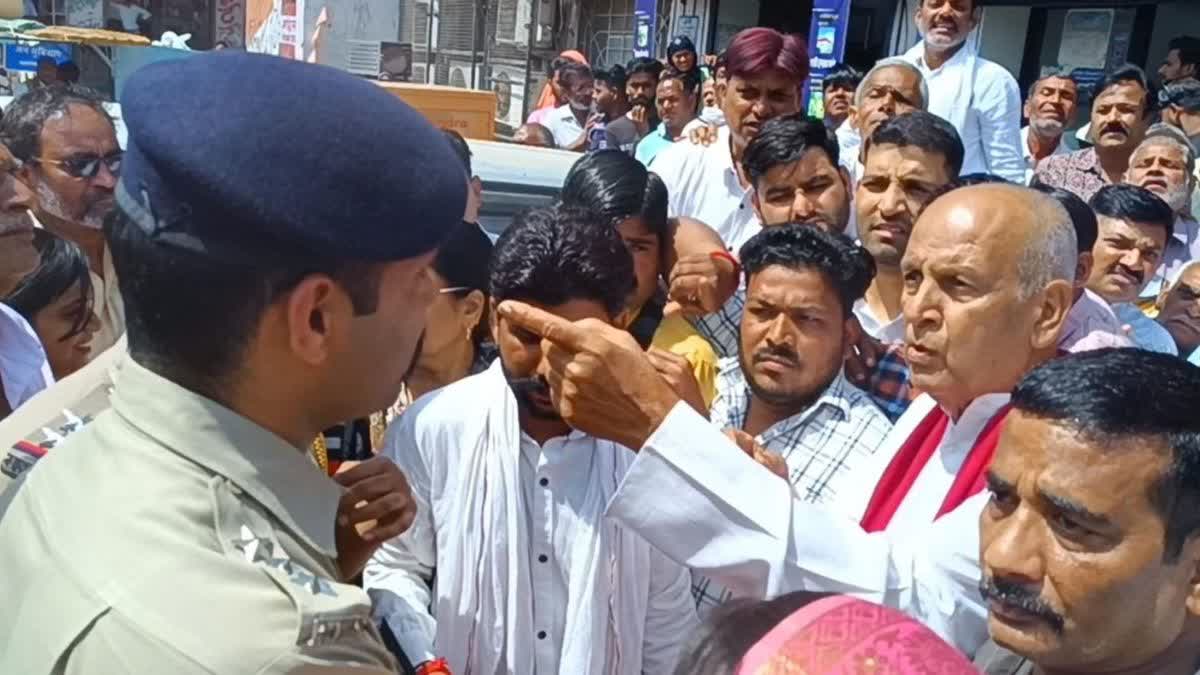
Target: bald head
point(988, 283)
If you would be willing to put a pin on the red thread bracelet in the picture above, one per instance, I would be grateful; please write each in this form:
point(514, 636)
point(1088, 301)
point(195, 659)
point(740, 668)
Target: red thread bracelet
point(438, 666)
point(726, 255)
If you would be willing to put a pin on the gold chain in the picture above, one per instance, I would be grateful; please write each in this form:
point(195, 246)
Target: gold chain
point(321, 453)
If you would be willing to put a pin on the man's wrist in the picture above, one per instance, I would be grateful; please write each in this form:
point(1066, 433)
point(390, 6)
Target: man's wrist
point(438, 666)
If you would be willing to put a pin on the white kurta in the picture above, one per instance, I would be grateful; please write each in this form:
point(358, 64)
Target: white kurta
point(530, 576)
point(693, 494)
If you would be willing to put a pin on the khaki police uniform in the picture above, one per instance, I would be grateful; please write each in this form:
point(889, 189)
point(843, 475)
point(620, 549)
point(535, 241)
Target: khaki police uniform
point(174, 536)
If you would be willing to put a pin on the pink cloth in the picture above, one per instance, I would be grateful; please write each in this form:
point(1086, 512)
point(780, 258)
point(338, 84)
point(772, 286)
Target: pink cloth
point(1091, 324)
point(840, 635)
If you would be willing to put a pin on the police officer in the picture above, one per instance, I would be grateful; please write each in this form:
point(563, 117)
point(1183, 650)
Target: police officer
point(275, 221)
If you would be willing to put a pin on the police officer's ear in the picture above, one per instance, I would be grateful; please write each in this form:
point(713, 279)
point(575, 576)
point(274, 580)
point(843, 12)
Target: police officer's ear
point(311, 312)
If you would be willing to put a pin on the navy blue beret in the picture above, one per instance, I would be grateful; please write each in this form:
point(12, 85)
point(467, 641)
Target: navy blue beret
point(230, 150)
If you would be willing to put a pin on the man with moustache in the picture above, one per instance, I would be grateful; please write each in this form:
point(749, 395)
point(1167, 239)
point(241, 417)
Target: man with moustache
point(1121, 111)
point(1179, 310)
point(67, 146)
point(1134, 227)
point(1165, 164)
point(571, 123)
point(531, 578)
point(785, 389)
point(1051, 107)
point(892, 87)
point(766, 70)
point(989, 270)
point(793, 166)
point(641, 83)
point(979, 97)
point(1090, 540)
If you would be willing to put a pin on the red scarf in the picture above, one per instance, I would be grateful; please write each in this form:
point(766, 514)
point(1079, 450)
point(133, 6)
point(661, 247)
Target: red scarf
point(904, 468)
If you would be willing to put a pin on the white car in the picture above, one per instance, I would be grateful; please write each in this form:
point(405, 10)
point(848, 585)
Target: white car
point(516, 177)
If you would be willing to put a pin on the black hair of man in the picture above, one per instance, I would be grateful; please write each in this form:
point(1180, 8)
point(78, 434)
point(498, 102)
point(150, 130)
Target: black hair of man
point(920, 129)
point(1125, 74)
point(1182, 93)
point(62, 267)
point(644, 64)
point(459, 144)
point(842, 76)
point(980, 178)
point(556, 64)
point(1112, 395)
point(1134, 204)
point(846, 265)
point(1082, 215)
point(1189, 50)
point(573, 72)
point(173, 295)
point(25, 117)
point(550, 256)
point(68, 72)
point(722, 61)
point(616, 187)
point(690, 81)
point(614, 78)
point(1057, 73)
point(784, 140)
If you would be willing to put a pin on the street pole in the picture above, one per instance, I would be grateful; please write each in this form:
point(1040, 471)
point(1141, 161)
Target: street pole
point(533, 22)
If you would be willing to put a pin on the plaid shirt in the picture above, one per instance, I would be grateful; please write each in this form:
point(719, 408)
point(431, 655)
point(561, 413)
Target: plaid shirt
point(888, 385)
point(821, 445)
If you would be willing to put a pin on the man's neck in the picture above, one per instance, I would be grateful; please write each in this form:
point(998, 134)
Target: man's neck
point(89, 239)
point(1041, 148)
point(541, 430)
point(761, 415)
point(883, 295)
point(935, 58)
point(1178, 659)
point(1113, 162)
point(675, 132)
point(580, 115)
point(438, 370)
point(737, 148)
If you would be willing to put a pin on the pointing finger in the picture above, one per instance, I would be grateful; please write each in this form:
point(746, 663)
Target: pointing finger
point(550, 327)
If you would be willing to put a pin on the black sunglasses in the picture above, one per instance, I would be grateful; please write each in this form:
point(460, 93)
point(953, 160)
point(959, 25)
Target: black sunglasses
point(87, 166)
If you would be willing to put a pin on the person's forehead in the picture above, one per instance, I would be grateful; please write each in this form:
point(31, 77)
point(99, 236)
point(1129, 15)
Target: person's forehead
point(908, 160)
point(971, 225)
point(812, 162)
point(1160, 150)
point(1131, 228)
point(791, 286)
point(900, 78)
point(1191, 276)
point(79, 125)
point(670, 86)
point(1124, 90)
point(772, 78)
point(1056, 82)
point(642, 78)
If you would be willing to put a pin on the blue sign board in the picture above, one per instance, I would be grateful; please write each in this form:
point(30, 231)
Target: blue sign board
point(644, 15)
point(826, 47)
point(24, 57)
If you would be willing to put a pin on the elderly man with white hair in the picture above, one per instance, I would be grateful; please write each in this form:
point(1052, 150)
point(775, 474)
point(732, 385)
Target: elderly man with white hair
point(893, 87)
point(990, 272)
point(1165, 163)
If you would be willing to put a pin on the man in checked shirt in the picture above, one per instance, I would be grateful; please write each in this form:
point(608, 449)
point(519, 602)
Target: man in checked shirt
point(785, 391)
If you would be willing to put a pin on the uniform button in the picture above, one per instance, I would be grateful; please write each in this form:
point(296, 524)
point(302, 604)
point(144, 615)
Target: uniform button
point(541, 635)
point(544, 482)
point(543, 558)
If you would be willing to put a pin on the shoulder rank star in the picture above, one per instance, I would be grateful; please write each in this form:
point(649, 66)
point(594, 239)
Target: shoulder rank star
point(262, 551)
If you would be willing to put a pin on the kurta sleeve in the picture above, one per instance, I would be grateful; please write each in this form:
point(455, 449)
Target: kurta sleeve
point(1000, 126)
point(698, 498)
point(399, 575)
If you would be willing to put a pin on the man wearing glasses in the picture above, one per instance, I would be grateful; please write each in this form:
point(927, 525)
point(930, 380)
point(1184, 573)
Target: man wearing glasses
point(67, 147)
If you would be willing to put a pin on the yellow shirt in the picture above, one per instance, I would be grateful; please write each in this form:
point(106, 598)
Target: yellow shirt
point(677, 336)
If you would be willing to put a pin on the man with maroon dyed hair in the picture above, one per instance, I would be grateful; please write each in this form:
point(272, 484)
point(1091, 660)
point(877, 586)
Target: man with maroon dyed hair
point(765, 72)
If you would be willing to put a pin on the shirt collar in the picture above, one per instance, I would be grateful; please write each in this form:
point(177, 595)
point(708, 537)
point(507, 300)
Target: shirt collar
point(959, 58)
point(276, 474)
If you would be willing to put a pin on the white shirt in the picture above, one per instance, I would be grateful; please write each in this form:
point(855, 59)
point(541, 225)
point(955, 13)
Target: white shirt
point(24, 370)
point(502, 605)
point(1030, 162)
point(884, 331)
point(130, 14)
point(706, 504)
point(703, 184)
point(563, 125)
point(981, 99)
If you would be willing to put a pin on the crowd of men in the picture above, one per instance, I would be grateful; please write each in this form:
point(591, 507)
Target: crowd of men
point(758, 390)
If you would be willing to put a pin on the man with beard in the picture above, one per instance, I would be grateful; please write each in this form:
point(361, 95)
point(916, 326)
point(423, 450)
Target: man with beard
point(1050, 108)
point(1121, 112)
point(641, 81)
point(1179, 310)
point(675, 101)
point(1165, 164)
point(892, 87)
point(989, 270)
point(793, 166)
point(1182, 61)
point(1134, 227)
point(572, 122)
point(531, 578)
point(766, 70)
point(69, 156)
point(978, 97)
point(785, 389)
point(837, 93)
point(1090, 540)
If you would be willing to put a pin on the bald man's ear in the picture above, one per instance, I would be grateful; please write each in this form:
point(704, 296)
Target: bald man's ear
point(1056, 303)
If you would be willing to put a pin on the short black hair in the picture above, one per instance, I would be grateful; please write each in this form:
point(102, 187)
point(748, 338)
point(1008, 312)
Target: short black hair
point(614, 187)
point(190, 317)
point(572, 72)
point(926, 131)
point(1111, 395)
point(556, 254)
point(783, 140)
point(25, 117)
point(613, 77)
point(980, 178)
point(690, 81)
point(842, 75)
point(1125, 74)
point(1130, 202)
point(847, 265)
point(1057, 73)
point(62, 266)
point(644, 65)
point(459, 144)
point(1188, 48)
point(1082, 215)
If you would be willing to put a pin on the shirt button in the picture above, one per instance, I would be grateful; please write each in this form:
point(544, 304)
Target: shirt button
point(544, 482)
point(541, 635)
point(543, 558)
